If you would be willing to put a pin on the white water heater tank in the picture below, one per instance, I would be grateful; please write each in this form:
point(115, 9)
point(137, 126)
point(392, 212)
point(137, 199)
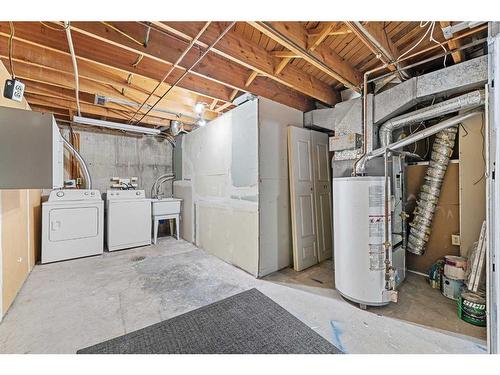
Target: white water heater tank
point(359, 236)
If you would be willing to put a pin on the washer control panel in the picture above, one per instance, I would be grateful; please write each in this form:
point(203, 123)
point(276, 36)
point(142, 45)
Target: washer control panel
point(74, 195)
point(125, 194)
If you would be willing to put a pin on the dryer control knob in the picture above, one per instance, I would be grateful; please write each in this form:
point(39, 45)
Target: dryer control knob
point(60, 194)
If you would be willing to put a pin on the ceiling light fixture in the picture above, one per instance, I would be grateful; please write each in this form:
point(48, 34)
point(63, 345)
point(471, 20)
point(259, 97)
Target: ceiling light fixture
point(115, 125)
point(201, 122)
point(199, 108)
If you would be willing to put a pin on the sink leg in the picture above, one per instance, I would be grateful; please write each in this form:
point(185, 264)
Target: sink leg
point(155, 231)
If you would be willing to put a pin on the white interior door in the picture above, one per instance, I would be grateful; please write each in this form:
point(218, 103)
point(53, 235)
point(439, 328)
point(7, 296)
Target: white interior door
point(322, 194)
point(304, 236)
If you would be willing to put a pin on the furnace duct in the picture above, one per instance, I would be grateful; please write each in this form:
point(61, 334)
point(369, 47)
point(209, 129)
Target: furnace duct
point(420, 227)
point(464, 102)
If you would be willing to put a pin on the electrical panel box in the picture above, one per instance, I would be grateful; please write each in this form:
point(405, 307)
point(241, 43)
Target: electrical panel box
point(345, 142)
point(31, 150)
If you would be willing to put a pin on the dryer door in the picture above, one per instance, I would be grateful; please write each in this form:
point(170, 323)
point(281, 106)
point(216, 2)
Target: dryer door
point(73, 223)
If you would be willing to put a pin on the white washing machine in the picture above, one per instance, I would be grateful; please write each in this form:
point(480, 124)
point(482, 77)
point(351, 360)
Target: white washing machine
point(128, 219)
point(72, 225)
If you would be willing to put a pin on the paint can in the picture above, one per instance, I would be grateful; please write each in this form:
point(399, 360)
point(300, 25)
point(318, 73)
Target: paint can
point(451, 288)
point(454, 267)
point(472, 308)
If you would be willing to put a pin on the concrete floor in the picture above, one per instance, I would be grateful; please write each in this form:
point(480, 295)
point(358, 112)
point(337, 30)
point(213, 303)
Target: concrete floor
point(70, 305)
point(417, 302)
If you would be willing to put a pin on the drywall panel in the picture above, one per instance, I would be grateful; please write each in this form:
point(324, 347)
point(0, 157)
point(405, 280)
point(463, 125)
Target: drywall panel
point(229, 233)
point(184, 191)
point(221, 162)
point(275, 238)
point(446, 219)
point(472, 181)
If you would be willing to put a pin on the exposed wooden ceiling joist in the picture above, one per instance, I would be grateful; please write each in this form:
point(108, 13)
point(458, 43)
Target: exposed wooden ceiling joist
point(453, 44)
point(294, 37)
point(166, 48)
point(252, 56)
point(86, 108)
point(50, 66)
point(97, 51)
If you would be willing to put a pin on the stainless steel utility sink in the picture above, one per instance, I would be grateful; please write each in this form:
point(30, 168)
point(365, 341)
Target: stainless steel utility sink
point(166, 206)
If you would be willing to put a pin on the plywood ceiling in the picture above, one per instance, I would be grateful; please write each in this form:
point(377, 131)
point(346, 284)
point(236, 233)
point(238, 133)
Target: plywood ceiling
point(294, 63)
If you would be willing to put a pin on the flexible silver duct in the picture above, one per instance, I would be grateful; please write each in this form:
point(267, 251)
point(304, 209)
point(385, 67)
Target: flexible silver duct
point(81, 161)
point(360, 169)
point(420, 227)
point(468, 101)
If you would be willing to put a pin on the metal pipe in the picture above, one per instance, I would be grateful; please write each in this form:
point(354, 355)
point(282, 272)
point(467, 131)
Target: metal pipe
point(464, 102)
point(183, 54)
point(413, 138)
point(189, 70)
point(81, 161)
point(368, 73)
point(374, 45)
point(75, 65)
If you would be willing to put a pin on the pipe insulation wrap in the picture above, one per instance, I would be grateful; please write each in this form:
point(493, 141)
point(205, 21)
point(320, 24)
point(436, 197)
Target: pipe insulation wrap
point(467, 101)
point(420, 227)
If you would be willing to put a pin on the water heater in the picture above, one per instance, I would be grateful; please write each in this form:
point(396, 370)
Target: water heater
point(359, 236)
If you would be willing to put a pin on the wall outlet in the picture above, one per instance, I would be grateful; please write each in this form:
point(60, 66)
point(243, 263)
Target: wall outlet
point(455, 239)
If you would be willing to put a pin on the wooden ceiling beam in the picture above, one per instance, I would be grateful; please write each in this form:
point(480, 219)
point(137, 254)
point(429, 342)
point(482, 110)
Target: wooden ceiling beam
point(53, 67)
point(317, 39)
point(43, 89)
point(457, 56)
point(294, 37)
point(68, 104)
point(165, 48)
point(106, 54)
point(254, 57)
point(373, 35)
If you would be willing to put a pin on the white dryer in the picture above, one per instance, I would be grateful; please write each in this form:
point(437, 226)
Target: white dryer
point(128, 219)
point(72, 225)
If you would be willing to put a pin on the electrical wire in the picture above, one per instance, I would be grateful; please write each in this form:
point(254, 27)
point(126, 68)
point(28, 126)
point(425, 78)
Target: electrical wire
point(191, 44)
point(187, 71)
point(11, 44)
point(53, 28)
point(429, 31)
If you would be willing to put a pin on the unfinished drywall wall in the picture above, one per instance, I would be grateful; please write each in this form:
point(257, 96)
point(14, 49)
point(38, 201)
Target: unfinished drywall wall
point(20, 218)
point(115, 154)
point(275, 239)
point(221, 162)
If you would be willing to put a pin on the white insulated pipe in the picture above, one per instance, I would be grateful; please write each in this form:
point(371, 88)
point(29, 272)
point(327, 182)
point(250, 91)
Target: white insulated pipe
point(81, 161)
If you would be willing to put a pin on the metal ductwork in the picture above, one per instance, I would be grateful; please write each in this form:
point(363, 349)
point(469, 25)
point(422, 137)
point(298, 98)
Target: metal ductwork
point(420, 227)
point(464, 102)
point(360, 169)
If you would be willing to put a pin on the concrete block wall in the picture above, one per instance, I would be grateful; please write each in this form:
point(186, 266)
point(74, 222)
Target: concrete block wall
point(112, 154)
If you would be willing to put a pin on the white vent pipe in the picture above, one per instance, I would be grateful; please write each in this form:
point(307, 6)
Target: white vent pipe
point(468, 101)
point(412, 139)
